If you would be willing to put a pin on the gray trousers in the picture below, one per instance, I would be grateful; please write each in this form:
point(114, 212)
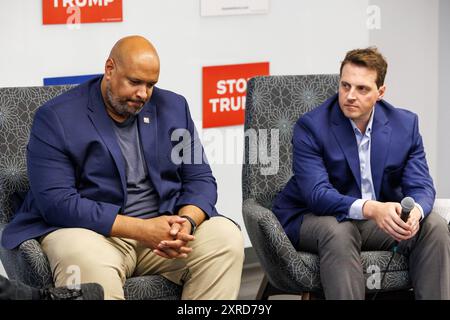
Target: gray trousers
point(339, 246)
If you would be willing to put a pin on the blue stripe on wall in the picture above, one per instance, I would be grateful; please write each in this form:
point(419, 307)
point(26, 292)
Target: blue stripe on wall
point(68, 80)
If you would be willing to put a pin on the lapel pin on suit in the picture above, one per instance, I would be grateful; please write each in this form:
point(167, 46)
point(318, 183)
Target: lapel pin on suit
point(146, 120)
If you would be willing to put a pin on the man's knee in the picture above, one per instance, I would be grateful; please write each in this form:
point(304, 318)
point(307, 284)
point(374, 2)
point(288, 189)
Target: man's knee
point(80, 256)
point(222, 235)
point(74, 248)
point(341, 237)
point(71, 245)
point(436, 227)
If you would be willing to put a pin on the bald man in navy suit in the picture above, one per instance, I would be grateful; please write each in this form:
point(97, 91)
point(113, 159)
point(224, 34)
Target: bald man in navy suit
point(109, 196)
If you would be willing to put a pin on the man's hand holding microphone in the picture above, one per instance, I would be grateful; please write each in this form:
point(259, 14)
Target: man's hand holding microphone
point(399, 220)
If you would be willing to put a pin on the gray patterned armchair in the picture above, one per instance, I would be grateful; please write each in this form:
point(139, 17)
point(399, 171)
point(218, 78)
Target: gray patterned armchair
point(28, 263)
point(276, 102)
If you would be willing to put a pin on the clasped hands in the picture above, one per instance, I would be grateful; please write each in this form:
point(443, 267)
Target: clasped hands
point(387, 217)
point(171, 237)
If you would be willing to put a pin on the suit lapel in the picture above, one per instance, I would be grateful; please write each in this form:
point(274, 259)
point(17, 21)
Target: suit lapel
point(343, 131)
point(102, 122)
point(148, 132)
point(379, 147)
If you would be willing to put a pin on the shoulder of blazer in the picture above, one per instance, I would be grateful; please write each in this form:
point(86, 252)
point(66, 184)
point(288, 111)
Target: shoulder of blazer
point(79, 95)
point(395, 114)
point(163, 95)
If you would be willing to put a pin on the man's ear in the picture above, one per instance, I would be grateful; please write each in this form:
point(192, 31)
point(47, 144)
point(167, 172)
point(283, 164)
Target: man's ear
point(109, 68)
point(381, 91)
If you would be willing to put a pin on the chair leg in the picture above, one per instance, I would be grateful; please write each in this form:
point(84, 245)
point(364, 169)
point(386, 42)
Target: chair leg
point(312, 296)
point(263, 293)
point(306, 296)
point(266, 290)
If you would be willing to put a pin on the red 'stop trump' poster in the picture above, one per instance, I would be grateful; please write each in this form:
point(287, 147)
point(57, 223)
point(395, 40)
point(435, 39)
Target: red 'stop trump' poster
point(224, 90)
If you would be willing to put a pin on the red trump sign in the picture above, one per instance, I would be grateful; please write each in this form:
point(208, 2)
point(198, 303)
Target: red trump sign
point(81, 11)
point(224, 90)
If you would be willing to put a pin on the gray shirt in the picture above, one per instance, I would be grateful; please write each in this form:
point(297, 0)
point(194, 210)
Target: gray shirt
point(142, 198)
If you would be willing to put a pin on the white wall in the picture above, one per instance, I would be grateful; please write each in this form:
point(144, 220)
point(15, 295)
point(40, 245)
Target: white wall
point(443, 184)
point(408, 37)
point(2, 270)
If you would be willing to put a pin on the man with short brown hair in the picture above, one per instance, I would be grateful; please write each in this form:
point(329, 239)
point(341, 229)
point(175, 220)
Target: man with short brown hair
point(355, 158)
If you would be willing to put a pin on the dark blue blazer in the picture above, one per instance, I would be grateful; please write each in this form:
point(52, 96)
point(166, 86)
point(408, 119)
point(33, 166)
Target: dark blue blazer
point(77, 170)
point(326, 169)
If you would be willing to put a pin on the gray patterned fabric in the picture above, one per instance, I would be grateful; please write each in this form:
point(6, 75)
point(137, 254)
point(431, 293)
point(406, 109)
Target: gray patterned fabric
point(276, 102)
point(152, 287)
point(28, 263)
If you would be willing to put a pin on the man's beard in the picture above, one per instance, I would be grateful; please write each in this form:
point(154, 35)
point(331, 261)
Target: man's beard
point(120, 106)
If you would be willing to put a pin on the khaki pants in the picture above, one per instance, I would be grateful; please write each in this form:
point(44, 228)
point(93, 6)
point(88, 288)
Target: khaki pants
point(211, 271)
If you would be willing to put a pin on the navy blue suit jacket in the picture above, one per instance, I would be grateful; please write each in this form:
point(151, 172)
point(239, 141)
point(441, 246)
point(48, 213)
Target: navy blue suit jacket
point(77, 171)
point(326, 169)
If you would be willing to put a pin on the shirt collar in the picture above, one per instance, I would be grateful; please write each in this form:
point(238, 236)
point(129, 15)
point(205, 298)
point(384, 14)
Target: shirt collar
point(369, 125)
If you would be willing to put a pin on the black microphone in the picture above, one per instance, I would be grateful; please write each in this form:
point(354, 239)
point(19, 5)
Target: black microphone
point(407, 204)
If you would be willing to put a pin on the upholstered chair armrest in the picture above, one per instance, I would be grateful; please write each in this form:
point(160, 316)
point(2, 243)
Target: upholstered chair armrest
point(266, 234)
point(36, 267)
point(442, 207)
point(273, 248)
